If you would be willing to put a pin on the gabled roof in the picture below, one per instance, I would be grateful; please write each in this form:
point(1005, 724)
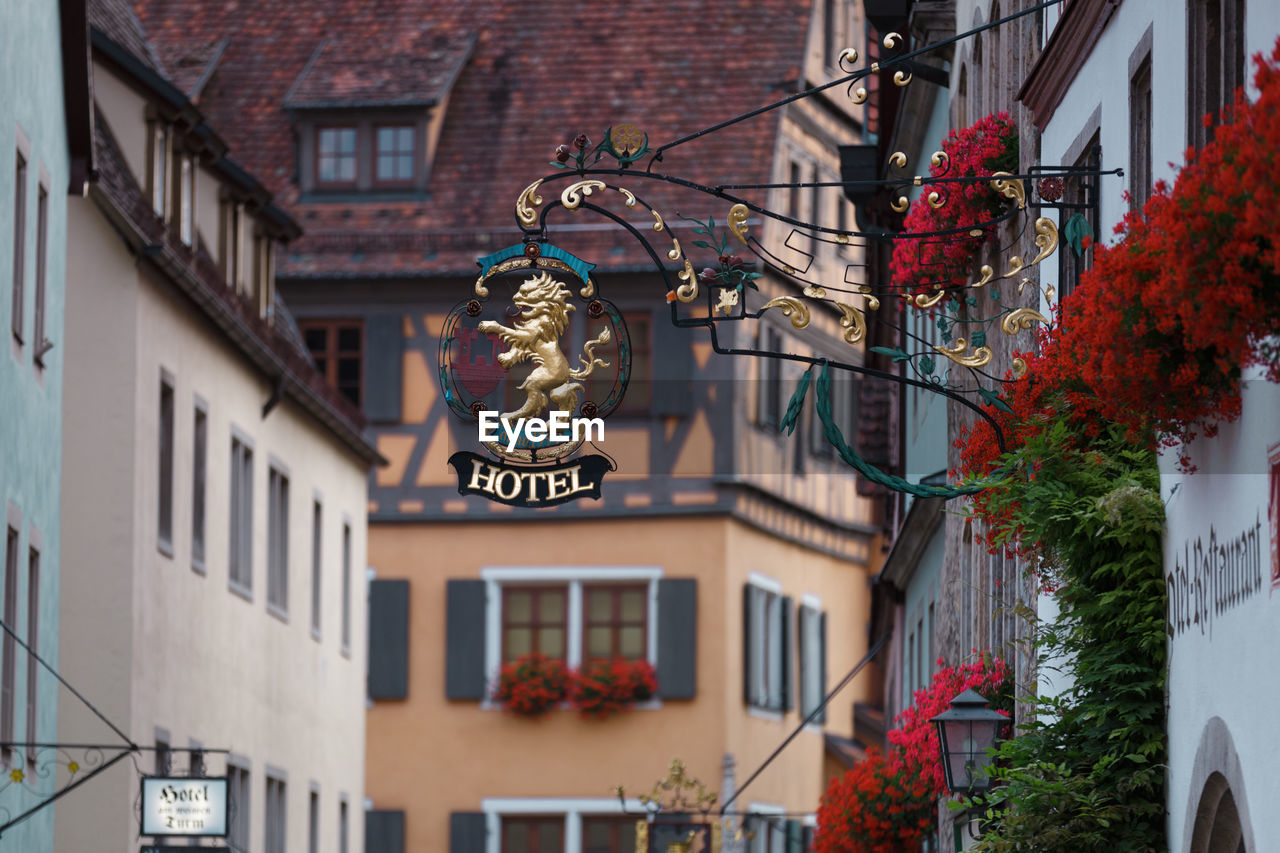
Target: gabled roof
point(537, 76)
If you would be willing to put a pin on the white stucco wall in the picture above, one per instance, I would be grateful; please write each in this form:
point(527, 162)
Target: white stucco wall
point(1225, 615)
point(1220, 667)
point(158, 644)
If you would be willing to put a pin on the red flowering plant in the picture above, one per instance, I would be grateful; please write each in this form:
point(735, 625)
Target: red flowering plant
point(532, 684)
point(986, 146)
point(604, 687)
point(1156, 336)
point(887, 802)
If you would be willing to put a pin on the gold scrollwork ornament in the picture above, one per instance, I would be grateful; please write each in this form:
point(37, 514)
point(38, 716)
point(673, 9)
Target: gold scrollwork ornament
point(738, 221)
point(792, 308)
point(526, 203)
point(979, 357)
point(855, 327)
point(1012, 188)
point(576, 193)
point(1021, 319)
point(1046, 239)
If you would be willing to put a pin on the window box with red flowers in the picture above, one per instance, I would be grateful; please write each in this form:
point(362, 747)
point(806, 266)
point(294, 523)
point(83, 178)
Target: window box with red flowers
point(605, 687)
point(928, 263)
point(532, 685)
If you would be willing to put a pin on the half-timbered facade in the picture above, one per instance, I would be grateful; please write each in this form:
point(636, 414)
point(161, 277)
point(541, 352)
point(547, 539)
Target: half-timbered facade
point(732, 557)
point(213, 584)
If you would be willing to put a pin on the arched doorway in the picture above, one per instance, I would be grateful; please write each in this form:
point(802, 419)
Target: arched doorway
point(1217, 828)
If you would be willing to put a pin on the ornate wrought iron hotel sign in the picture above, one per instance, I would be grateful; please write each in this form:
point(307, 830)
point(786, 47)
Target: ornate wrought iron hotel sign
point(491, 354)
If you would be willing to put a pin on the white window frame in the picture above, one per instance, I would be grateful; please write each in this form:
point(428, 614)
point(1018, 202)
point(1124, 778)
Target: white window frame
point(768, 656)
point(573, 809)
point(574, 578)
point(759, 844)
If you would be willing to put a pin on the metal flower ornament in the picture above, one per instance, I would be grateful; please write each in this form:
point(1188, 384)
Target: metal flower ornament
point(968, 198)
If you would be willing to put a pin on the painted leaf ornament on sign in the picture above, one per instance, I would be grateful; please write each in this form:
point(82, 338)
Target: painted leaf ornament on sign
point(504, 367)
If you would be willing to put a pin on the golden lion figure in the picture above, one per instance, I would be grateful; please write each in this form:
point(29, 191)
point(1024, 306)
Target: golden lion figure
point(544, 315)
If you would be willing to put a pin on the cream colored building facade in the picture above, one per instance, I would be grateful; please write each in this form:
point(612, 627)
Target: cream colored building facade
point(215, 498)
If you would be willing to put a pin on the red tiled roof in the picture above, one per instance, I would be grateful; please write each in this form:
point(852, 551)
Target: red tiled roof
point(538, 76)
point(116, 18)
point(353, 70)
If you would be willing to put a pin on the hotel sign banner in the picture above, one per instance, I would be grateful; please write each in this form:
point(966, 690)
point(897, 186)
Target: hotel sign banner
point(191, 806)
point(528, 486)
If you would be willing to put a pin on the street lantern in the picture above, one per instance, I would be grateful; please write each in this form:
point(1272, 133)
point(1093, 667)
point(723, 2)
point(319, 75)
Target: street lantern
point(965, 733)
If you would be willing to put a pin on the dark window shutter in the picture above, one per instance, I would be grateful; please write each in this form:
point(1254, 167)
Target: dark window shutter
point(384, 832)
point(748, 685)
point(672, 367)
point(464, 675)
point(388, 639)
point(803, 615)
point(822, 662)
point(788, 653)
point(384, 351)
point(466, 833)
point(677, 638)
point(795, 837)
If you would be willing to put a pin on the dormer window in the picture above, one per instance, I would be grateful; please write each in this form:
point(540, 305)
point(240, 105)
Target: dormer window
point(336, 156)
point(396, 155)
point(368, 118)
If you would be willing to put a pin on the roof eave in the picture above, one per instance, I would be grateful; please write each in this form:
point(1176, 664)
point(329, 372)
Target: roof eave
point(256, 350)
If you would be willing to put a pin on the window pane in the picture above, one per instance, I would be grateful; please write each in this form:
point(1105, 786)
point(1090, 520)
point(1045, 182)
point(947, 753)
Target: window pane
point(549, 838)
point(551, 606)
point(551, 642)
point(519, 642)
point(633, 605)
point(516, 836)
point(316, 339)
point(348, 339)
point(599, 642)
point(599, 605)
point(597, 836)
point(631, 642)
point(519, 607)
point(348, 370)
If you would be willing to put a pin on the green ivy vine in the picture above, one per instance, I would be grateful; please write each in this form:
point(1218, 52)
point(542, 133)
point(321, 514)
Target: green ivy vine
point(1087, 771)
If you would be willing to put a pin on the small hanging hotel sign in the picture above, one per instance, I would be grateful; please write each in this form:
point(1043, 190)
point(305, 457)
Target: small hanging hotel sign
point(499, 354)
point(192, 806)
